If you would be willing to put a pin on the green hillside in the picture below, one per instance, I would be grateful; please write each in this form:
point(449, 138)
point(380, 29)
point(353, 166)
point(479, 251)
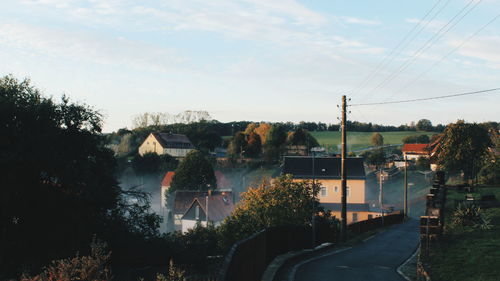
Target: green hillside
point(357, 140)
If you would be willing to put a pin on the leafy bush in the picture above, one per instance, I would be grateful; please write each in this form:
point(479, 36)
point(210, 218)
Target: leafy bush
point(94, 267)
point(470, 215)
point(174, 274)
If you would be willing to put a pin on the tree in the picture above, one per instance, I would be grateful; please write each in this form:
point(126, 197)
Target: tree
point(254, 146)
point(424, 125)
point(283, 202)
point(376, 158)
point(57, 178)
point(262, 131)
point(275, 143)
point(423, 164)
point(416, 139)
point(237, 145)
point(302, 137)
point(463, 148)
point(195, 172)
point(250, 128)
point(377, 139)
point(148, 163)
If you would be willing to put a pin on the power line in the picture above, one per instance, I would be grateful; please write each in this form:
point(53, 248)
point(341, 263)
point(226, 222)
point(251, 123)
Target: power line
point(448, 54)
point(423, 99)
point(386, 59)
point(441, 32)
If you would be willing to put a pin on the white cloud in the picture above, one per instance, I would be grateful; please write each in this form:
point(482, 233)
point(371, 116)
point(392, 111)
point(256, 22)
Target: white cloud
point(353, 20)
point(89, 48)
point(484, 48)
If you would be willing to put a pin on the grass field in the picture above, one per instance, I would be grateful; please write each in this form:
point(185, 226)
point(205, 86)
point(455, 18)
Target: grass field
point(358, 140)
point(468, 253)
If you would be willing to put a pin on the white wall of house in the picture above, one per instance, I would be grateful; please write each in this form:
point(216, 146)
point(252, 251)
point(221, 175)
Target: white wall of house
point(415, 157)
point(177, 152)
point(189, 224)
point(150, 144)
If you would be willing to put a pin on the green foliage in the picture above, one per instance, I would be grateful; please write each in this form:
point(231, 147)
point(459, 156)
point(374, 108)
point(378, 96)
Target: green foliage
point(146, 164)
point(490, 172)
point(195, 172)
point(423, 164)
point(302, 137)
point(237, 145)
point(424, 125)
point(470, 215)
point(58, 180)
point(283, 202)
point(377, 139)
point(463, 148)
point(275, 143)
point(174, 274)
point(376, 158)
point(94, 267)
point(194, 246)
point(416, 139)
point(254, 145)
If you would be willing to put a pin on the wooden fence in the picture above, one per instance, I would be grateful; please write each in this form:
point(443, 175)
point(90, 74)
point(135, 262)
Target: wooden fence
point(248, 259)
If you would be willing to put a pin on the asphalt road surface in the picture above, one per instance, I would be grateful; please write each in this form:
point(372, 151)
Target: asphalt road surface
point(377, 258)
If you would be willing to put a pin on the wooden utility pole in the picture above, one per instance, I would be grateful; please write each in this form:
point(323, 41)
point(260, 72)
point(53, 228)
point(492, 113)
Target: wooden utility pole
point(381, 194)
point(406, 189)
point(343, 175)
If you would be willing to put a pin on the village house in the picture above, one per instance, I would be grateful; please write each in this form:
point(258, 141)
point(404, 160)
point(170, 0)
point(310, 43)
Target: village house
point(211, 210)
point(413, 151)
point(176, 145)
point(327, 174)
point(175, 205)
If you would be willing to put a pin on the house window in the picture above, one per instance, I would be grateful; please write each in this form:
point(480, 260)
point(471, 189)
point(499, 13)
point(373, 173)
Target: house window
point(197, 212)
point(323, 191)
point(354, 217)
point(370, 217)
point(336, 189)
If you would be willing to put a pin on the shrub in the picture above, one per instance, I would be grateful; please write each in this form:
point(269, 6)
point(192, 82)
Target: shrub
point(470, 215)
point(94, 267)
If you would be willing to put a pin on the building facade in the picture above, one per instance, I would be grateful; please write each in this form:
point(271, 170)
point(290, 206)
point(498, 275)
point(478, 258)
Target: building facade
point(176, 145)
point(326, 172)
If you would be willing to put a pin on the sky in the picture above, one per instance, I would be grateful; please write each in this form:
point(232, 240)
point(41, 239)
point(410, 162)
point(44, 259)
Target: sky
point(259, 60)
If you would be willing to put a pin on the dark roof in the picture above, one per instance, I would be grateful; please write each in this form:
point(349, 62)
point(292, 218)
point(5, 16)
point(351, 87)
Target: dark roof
point(351, 207)
point(185, 198)
point(324, 167)
point(168, 140)
point(220, 206)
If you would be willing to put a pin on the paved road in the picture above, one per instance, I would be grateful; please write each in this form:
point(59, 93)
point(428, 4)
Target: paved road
point(375, 259)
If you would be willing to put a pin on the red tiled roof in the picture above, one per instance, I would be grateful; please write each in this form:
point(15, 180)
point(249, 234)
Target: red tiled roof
point(167, 179)
point(416, 147)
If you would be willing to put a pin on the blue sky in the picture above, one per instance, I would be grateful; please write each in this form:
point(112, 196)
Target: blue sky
point(274, 60)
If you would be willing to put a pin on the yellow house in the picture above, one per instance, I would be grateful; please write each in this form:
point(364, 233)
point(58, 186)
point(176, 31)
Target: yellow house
point(327, 173)
point(176, 145)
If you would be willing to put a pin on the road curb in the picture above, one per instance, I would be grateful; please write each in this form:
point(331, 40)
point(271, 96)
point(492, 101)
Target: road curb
point(287, 259)
point(398, 270)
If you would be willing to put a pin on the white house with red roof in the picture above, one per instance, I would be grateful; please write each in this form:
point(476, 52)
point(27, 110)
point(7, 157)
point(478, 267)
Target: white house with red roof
point(413, 151)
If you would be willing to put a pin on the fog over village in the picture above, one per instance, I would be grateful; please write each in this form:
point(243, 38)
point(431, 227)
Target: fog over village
point(249, 140)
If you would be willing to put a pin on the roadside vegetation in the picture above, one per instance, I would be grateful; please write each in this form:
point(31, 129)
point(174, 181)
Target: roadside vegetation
point(468, 251)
